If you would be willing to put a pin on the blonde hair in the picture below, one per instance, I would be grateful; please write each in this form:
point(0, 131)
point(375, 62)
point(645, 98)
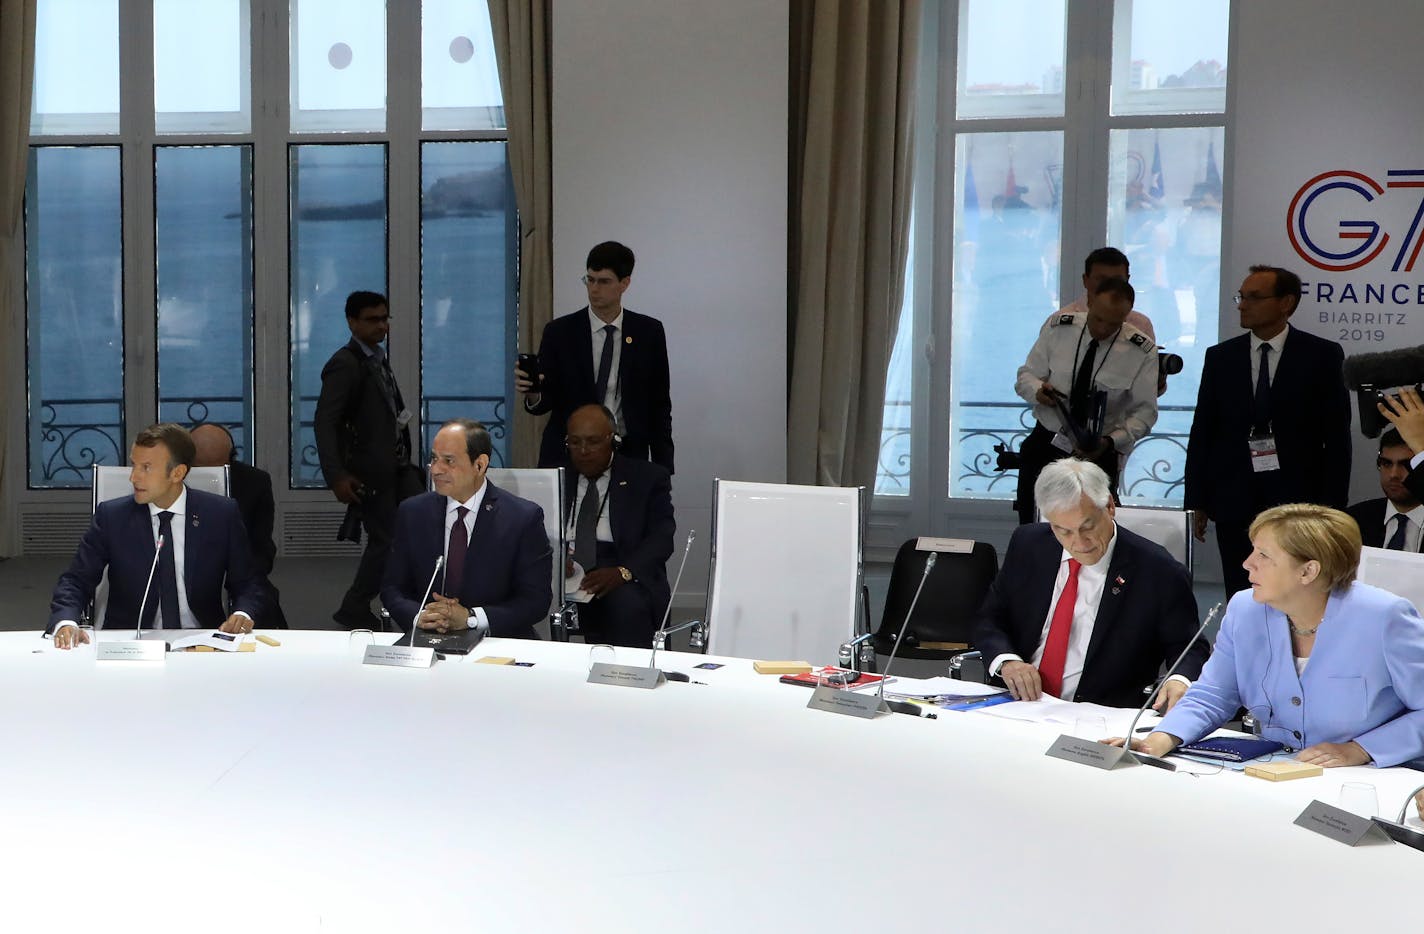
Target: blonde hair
point(1308, 532)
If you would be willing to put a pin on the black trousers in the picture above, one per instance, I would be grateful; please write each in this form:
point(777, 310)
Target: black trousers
point(624, 616)
point(1234, 544)
point(378, 519)
point(1036, 453)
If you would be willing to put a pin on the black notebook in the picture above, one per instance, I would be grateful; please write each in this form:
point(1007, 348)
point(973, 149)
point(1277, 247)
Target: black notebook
point(460, 642)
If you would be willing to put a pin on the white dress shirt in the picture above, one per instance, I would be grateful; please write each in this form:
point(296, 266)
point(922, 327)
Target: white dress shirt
point(1412, 527)
point(614, 397)
point(477, 618)
point(1273, 359)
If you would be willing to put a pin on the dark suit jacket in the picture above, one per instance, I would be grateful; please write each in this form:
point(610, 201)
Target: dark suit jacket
point(1414, 483)
point(1369, 515)
point(507, 569)
point(1311, 422)
point(120, 537)
point(641, 517)
point(1140, 628)
point(252, 488)
point(355, 422)
point(566, 358)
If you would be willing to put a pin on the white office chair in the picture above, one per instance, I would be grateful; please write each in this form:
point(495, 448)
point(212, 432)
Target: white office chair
point(1170, 528)
point(545, 487)
point(785, 570)
point(113, 483)
point(1399, 572)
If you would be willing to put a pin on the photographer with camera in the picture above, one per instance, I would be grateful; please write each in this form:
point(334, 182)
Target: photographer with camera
point(1110, 369)
point(363, 443)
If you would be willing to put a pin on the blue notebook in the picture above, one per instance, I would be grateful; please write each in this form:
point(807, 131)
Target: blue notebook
point(1230, 748)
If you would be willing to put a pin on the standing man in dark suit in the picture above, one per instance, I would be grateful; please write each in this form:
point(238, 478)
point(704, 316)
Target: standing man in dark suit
point(204, 549)
point(619, 516)
point(1405, 412)
point(604, 355)
point(1272, 422)
point(363, 442)
point(251, 487)
point(497, 557)
point(1083, 609)
point(1394, 520)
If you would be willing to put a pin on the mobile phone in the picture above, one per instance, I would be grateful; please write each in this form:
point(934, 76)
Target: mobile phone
point(529, 363)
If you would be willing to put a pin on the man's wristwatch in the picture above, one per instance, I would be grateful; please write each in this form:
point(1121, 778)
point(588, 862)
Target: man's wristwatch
point(627, 574)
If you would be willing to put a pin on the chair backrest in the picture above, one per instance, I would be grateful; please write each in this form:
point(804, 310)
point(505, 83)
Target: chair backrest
point(785, 570)
point(1399, 572)
point(1170, 528)
point(113, 482)
point(544, 486)
point(956, 586)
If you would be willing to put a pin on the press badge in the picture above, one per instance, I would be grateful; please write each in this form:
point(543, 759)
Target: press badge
point(1263, 454)
point(1061, 442)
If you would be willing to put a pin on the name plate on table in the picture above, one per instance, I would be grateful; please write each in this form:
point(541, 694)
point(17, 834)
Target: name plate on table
point(399, 656)
point(847, 703)
point(132, 650)
point(1340, 825)
point(624, 676)
point(1088, 752)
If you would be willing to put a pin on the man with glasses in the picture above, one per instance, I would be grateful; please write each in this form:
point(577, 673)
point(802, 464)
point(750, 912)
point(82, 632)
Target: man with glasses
point(604, 355)
point(497, 561)
point(1394, 520)
point(619, 517)
point(363, 442)
point(1272, 422)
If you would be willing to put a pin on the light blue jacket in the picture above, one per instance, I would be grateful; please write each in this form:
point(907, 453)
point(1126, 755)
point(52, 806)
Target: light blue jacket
point(1364, 681)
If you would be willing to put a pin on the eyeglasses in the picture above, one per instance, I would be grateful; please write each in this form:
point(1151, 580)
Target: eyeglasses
point(574, 443)
point(1384, 463)
point(374, 319)
point(1246, 298)
point(598, 280)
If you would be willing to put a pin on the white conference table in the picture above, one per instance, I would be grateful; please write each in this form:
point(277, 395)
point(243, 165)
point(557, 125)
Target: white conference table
point(295, 789)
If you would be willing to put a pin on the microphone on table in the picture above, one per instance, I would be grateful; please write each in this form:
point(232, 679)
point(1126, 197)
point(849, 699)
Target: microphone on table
point(415, 621)
point(152, 569)
point(899, 636)
point(1371, 374)
point(1143, 757)
point(660, 637)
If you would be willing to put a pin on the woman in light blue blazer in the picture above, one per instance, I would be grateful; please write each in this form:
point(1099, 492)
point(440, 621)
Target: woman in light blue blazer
point(1328, 666)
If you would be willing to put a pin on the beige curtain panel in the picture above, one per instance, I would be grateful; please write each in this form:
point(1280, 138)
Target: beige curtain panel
point(853, 71)
point(521, 44)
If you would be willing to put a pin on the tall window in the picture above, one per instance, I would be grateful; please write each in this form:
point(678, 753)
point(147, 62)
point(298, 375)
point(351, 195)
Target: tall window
point(207, 183)
point(1067, 131)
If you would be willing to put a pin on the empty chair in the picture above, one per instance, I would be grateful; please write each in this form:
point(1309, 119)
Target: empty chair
point(943, 619)
point(1399, 572)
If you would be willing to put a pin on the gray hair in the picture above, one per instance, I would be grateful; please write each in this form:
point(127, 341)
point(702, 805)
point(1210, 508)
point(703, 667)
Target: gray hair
point(1063, 483)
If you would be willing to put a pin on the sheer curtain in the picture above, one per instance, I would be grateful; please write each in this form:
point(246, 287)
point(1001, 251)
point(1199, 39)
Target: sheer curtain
point(853, 69)
point(521, 44)
point(17, 71)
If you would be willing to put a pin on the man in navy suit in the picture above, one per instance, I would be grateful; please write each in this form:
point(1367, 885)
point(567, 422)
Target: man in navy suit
point(1393, 520)
point(1272, 422)
point(497, 557)
point(1084, 609)
point(619, 517)
point(606, 355)
point(205, 547)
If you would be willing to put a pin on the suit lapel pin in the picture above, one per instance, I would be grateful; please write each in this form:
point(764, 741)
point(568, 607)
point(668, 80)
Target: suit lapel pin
point(489, 507)
point(622, 482)
point(195, 522)
point(1119, 584)
point(627, 340)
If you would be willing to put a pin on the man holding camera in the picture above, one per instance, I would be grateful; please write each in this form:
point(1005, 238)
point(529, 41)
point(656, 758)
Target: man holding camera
point(363, 443)
point(1110, 370)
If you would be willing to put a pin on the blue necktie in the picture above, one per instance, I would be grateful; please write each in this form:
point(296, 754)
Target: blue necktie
point(1401, 525)
point(168, 575)
point(1262, 405)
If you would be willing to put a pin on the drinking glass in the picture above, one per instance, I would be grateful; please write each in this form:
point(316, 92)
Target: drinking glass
point(1359, 798)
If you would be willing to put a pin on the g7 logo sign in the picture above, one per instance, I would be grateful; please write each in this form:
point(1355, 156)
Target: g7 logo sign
point(1370, 238)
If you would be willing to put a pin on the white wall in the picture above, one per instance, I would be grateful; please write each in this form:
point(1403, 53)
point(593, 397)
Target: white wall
point(670, 135)
point(1322, 86)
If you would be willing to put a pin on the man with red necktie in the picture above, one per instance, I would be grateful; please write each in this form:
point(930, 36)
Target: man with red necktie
point(1083, 609)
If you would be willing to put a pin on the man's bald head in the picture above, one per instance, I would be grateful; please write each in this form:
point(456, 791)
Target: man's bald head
point(214, 445)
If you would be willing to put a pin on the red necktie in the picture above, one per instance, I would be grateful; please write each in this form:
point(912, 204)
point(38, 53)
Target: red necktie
point(1055, 649)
